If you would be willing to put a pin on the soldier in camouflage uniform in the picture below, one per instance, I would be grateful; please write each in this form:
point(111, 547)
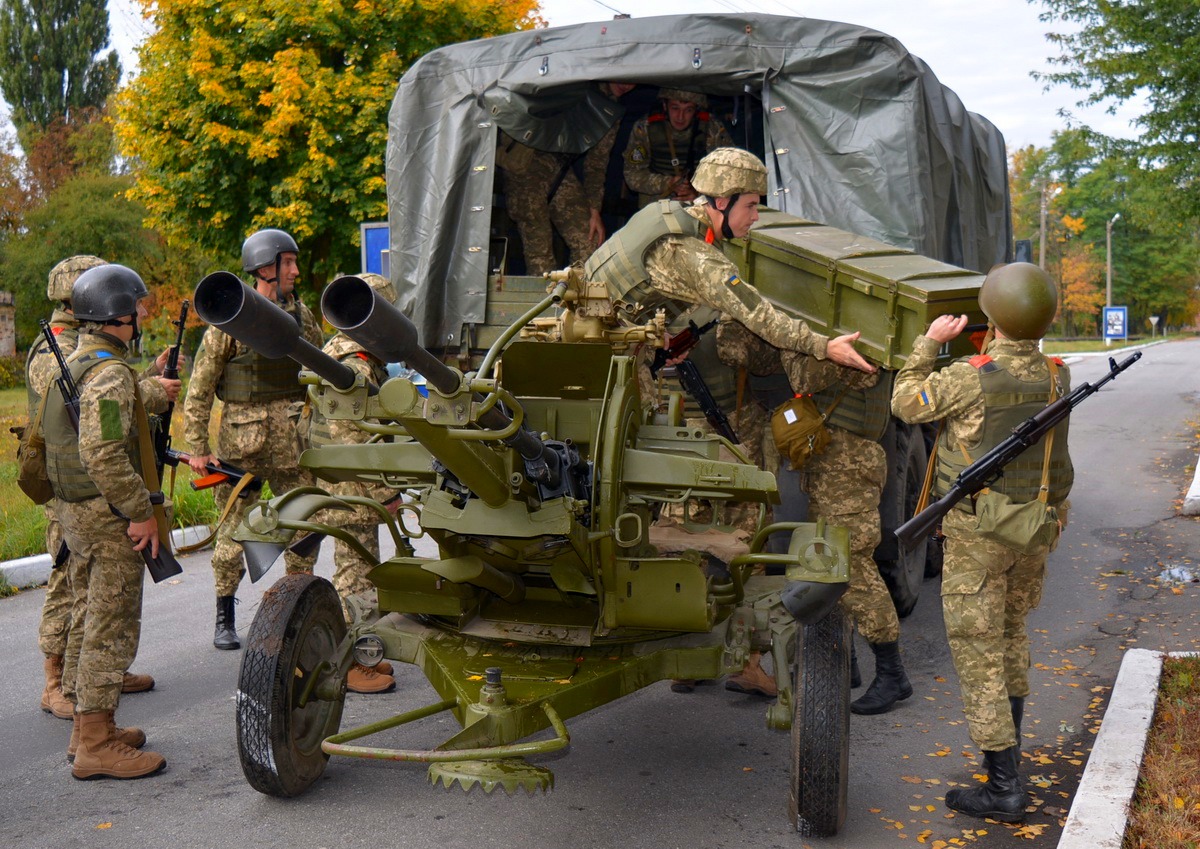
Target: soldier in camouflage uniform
point(90, 471)
point(989, 587)
point(665, 147)
point(40, 369)
point(349, 568)
point(544, 194)
point(257, 432)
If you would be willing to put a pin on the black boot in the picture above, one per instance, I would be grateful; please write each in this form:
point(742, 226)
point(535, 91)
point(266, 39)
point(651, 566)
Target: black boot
point(1002, 798)
point(225, 637)
point(855, 675)
point(890, 684)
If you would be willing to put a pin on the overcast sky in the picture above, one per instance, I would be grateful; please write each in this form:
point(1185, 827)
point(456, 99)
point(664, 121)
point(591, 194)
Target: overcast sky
point(982, 49)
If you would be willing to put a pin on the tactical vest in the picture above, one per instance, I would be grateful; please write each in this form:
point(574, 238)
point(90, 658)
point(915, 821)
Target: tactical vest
point(720, 378)
point(864, 412)
point(1008, 402)
point(251, 377)
point(659, 132)
point(321, 429)
point(67, 339)
point(67, 476)
point(621, 261)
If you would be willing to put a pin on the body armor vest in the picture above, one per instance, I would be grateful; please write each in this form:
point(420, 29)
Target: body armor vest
point(68, 340)
point(251, 377)
point(659, 131)
point(67, 476)
point(621, 261)
point(864, 412)
point(321, 429)
point(1008, 402)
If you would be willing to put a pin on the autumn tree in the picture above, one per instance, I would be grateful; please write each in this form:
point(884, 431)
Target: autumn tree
point(1082, 283)
point(271, 113)
point(51, 65)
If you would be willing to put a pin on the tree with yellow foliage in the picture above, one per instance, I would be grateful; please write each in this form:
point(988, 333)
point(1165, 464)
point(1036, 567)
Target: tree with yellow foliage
point(248, 114)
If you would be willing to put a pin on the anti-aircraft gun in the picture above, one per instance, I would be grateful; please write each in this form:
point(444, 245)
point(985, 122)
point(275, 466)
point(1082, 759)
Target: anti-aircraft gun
point(550, 590)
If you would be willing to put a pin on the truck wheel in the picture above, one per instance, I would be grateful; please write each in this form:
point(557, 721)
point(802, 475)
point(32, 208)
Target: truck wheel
point(294, 635)
point(902, 570)
point(821, 727)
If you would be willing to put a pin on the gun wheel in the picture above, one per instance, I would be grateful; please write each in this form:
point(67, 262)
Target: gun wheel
point(821, 727)
point(294, 635)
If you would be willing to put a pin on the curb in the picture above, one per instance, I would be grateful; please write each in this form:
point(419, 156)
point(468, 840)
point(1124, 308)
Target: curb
point(1101, 806)
point(35, 571)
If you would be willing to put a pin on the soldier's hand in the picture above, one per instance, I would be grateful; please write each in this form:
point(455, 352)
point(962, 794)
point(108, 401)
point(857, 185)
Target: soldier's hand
point(841, 351)
point(945, 327)
point(171, 387)
point(199, 462)
point(160, 362)
point(596, 231)
point(144, 534)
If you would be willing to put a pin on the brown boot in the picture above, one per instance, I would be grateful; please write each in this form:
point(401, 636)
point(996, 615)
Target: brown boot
point(134, 683)
point(383, 668)
point(53, 700)
point(364, 679)
point(102, 755)
point(753, 680)
point(134, 737)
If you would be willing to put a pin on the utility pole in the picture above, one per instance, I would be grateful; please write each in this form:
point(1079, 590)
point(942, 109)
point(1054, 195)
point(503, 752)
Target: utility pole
point(1042, 226)
point(1108, 265)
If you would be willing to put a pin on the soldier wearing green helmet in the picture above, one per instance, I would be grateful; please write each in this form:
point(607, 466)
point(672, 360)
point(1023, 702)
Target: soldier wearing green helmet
point(991, 578)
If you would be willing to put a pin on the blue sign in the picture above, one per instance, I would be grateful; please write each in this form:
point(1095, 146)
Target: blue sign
point(375, 247)
point(1116, 322)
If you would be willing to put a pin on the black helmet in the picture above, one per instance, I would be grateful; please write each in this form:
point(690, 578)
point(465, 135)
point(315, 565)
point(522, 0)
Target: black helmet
point(264, 247)
point(1020, 299)
point(107, 292)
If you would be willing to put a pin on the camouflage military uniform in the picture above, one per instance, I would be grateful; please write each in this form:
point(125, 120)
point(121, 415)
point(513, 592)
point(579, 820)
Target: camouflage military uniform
point(988, 589)
point(537, 206)
point(105, 571)
point(260, 437)
point(654, 143)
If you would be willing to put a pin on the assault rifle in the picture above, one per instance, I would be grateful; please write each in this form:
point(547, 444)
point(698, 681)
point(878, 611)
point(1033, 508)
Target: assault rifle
point(987, 469)
point(162, 566)
point(162, 436)
point(690, 379)
point(218, 473)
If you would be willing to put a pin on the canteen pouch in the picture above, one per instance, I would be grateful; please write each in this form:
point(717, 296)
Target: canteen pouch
point(799, 430)
point(1025, 528)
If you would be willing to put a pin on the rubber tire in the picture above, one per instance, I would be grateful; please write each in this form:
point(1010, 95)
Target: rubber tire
point(299, 624)
point(821, 727)
point(902, 570)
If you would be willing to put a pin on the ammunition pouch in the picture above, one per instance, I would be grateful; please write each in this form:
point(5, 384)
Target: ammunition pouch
point(1025, 528)
point(799, 430)
point(33, 477)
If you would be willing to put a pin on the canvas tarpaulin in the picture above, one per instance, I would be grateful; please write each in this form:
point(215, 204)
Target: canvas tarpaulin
point(859, 134)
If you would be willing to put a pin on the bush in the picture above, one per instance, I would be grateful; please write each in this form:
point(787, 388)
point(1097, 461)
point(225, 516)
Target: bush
point(12, 372)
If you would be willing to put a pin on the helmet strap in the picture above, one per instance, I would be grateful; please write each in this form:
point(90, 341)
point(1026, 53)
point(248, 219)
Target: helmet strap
point(726, 230)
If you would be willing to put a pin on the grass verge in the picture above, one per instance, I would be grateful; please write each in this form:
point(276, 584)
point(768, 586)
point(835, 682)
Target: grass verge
point(1165, 811)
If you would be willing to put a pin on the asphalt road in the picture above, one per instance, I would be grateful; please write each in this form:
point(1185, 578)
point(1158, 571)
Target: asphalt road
point(655, 769)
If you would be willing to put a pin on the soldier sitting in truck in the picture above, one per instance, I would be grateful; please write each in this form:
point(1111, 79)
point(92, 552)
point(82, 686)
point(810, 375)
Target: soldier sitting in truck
point(666, 146)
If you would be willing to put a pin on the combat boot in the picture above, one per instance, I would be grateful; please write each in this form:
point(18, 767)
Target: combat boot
point(132, 682)
point(890, 684)
point(753, 680)
point(102, 755)
point(855, 675)
point(1001, 798)
point(225, 636)
point(53, 700)
point(134, 737)
point(364, 679)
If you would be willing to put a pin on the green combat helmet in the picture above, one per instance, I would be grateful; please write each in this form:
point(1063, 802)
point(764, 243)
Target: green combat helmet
point(729, 171)
point(1020, 299)
point(63, 276)
point(683, 96)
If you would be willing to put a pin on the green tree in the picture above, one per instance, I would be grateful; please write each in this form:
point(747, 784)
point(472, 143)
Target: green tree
point(271, 113)
point(1148, 48)
point(50, 62)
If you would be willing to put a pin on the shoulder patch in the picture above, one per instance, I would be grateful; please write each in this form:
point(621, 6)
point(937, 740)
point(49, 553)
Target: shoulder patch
point(1058, 361)
point(983, 362)
point(110, 420)
point(656, 117)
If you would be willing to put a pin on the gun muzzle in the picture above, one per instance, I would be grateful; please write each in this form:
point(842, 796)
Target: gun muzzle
point(225, 302)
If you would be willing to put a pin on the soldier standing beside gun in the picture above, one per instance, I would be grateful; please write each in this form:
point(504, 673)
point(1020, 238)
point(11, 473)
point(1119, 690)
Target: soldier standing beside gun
point(95, 473)
point(665, 148)
point(256, 429)
point(40, 369)
point(989, 586)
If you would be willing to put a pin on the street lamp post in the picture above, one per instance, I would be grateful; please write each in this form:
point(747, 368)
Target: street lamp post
point(1108, 266)
point(1042, 226)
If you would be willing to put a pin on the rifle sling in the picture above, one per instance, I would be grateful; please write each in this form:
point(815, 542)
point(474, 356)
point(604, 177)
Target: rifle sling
point(149, 468)
point(225, 511)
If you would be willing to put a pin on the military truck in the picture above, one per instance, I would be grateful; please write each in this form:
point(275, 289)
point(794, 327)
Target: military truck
point(530, 457)
point(857, 133)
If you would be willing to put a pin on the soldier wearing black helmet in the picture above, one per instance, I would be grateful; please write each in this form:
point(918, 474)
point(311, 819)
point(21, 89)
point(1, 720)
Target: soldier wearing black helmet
point(992, 578)
point(96, 474)
point(257, 431)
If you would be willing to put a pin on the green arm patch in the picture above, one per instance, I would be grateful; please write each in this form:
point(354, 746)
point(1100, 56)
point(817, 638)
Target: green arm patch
point(110, 420)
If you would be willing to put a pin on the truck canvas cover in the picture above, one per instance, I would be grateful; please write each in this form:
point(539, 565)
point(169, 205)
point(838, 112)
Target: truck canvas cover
point(858, 133)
